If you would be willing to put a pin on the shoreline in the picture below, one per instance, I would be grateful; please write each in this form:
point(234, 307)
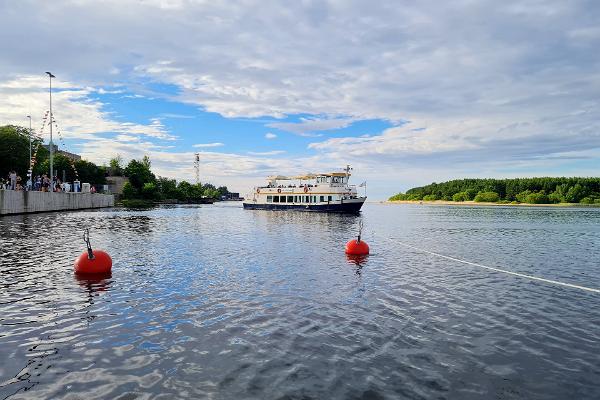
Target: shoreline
point(473, 203)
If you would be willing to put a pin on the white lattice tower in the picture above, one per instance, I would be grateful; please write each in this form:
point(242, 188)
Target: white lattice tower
point(197, 166)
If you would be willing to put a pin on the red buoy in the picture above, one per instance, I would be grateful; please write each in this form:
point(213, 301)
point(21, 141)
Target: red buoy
point(92, 262)
point(357, 248)
point(100, 264)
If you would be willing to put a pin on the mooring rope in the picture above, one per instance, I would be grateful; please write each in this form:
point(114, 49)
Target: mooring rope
point(535, 278)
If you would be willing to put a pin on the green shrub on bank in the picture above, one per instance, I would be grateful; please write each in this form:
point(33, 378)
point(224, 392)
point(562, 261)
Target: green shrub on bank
point(590, 200)
point(398, 197)
point(487, 197)
point(460, 196)
point(414, 197)
point(430, 197)
point(530, 197)
point(137, 203)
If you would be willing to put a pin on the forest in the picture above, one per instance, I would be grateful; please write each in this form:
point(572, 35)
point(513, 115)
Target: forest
point(543, 190)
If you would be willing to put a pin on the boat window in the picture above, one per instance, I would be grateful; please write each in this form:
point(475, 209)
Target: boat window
point(290, 199)
point(269, 199)
point(314, 199)
point(275, 199)
point(282, 199)
point(328, 198)
point(322, 198)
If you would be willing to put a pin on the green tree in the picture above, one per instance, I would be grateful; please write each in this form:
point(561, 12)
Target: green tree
point(129, 192)
point(14, 150)
point(116, 166)
point(575, 194)
point(150, 191)
point(90, 172)
point(167, 187)
point(139, 173)
point(60, 163)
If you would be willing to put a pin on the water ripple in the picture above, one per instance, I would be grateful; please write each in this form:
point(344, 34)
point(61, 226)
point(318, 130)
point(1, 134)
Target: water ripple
point(217, 302)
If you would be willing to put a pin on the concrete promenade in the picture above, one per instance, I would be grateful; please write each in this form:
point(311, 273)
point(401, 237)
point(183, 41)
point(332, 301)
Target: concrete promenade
point(20, 202)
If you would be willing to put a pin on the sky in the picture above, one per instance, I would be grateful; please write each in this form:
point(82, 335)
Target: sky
point(407, 92)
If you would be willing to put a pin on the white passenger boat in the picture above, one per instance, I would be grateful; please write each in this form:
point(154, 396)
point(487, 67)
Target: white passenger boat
point(327, 192)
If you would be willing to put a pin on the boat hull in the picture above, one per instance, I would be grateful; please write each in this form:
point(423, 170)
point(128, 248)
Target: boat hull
point(350, 206)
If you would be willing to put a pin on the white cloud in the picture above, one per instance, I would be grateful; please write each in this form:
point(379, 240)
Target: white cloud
point(76, 114)
point(309, 126)
point(270, 135)
point(266, 153)
point(200, 145)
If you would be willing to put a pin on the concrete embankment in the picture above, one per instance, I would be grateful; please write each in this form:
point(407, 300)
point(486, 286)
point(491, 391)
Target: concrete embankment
point(20, 202)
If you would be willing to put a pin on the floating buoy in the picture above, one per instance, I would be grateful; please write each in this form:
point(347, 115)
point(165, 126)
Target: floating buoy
point(357, 247)
point(92, 262)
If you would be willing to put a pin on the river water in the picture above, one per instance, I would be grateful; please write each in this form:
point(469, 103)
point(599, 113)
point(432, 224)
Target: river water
point(219, 302)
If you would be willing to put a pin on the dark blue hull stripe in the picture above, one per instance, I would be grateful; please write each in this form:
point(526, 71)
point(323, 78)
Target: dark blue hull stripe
point(340, 208)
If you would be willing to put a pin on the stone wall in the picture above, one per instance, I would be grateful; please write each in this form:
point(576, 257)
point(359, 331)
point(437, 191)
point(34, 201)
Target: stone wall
point(18, 202)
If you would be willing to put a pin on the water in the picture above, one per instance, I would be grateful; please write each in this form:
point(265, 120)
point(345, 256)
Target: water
point(218, 302)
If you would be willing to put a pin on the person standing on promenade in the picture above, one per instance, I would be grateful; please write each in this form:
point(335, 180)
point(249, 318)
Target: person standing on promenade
point(45, 183)
point(13, 179)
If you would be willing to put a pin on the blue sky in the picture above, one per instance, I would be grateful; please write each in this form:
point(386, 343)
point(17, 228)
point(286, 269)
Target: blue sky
point(408, 93)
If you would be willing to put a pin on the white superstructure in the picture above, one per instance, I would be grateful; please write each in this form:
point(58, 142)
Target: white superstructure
point(326, 192)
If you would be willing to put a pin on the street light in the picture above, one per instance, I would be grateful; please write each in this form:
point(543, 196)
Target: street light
point(50, 76)
point(29, 171)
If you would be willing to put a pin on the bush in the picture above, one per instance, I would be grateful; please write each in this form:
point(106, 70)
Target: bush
point(488, 197)
point(129, 191)
point(575, 194)
point(594, 199)
point(521, 197)
point(461, 196)
point(533, 197)
point(555, 197)
point(150, 191)
point(397, 197)
point(137, 203)
point(537, 198)
point(430, 197)
point(471, 193)
point(414, 197)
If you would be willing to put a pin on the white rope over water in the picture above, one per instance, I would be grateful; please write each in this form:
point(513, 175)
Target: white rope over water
point(535, 278)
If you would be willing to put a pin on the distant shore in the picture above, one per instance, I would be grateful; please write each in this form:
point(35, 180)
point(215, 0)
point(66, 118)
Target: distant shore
point(473, 203)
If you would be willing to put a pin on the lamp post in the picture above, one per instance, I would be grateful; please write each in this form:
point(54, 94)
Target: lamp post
point(50, 76)
point(29, 171)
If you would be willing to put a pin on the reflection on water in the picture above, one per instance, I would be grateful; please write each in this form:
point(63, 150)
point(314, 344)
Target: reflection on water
point(218, 302)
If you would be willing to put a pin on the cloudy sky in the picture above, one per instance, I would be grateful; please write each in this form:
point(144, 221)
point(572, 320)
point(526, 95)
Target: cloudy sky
point(408, 92)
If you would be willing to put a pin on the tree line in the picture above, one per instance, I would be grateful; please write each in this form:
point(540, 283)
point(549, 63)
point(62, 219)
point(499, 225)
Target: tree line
point(14, 155)
point(544, 190)
point(144, 185)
